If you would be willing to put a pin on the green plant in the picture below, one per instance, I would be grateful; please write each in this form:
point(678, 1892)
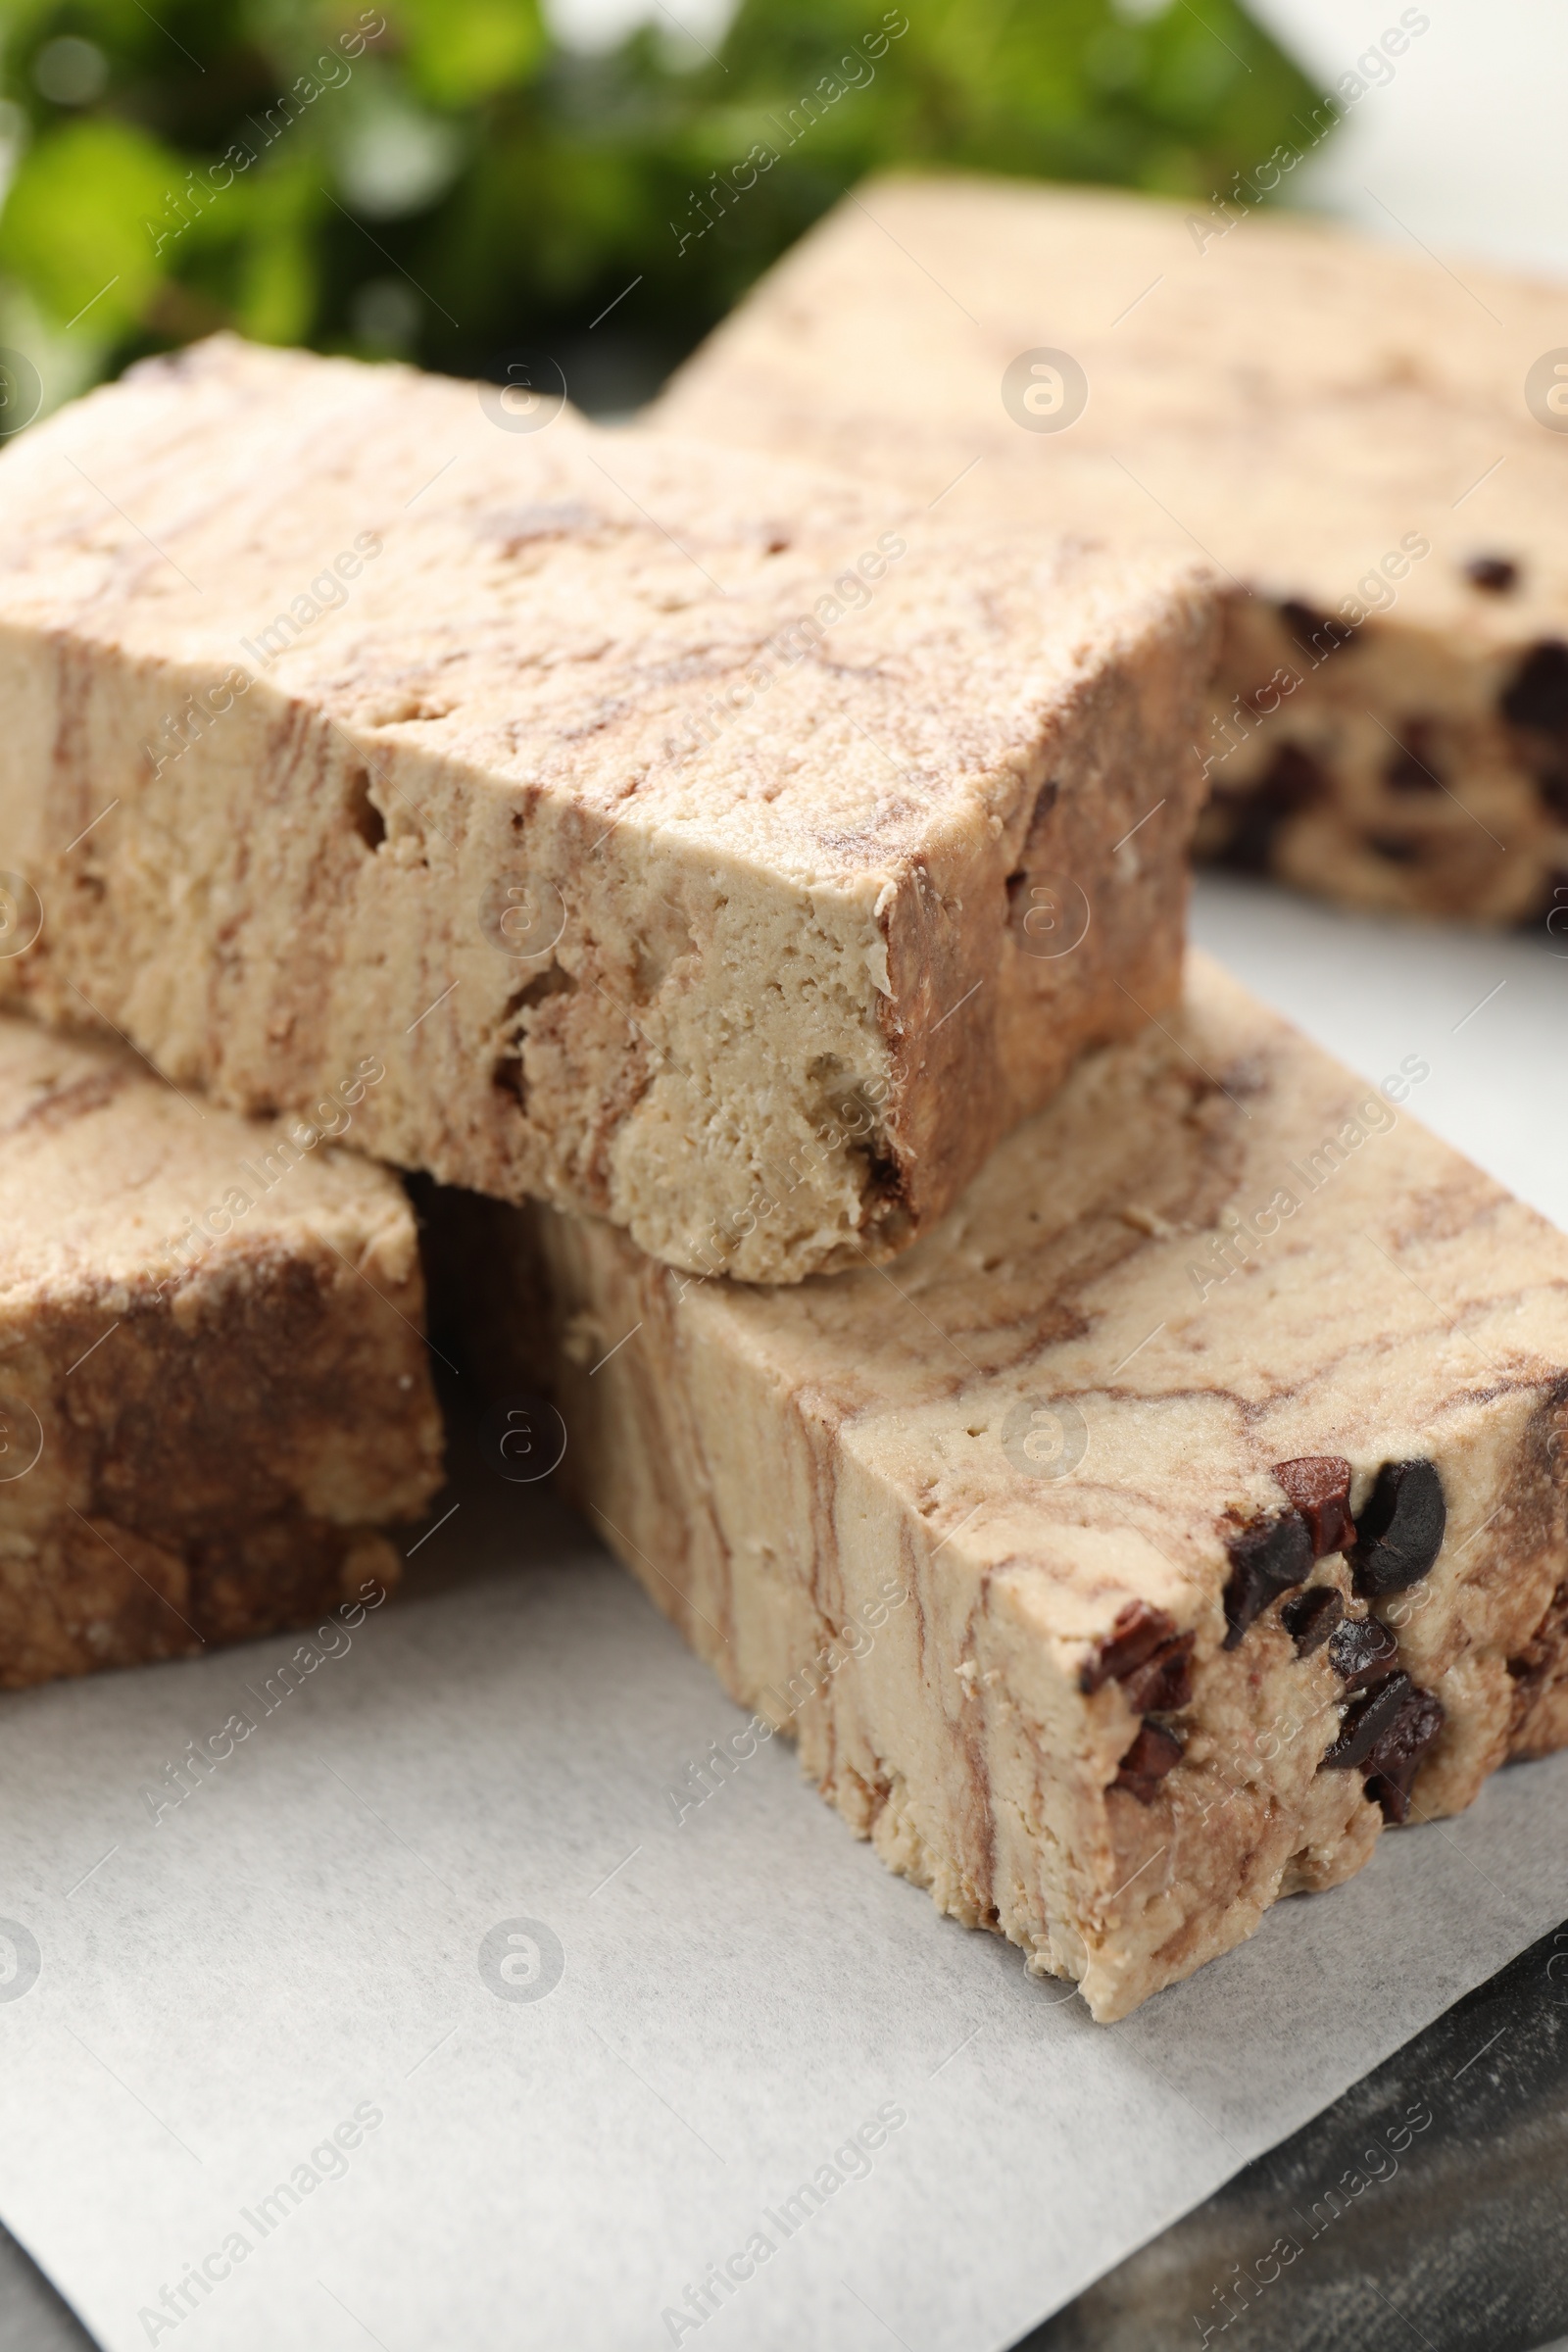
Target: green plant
point(444, 177)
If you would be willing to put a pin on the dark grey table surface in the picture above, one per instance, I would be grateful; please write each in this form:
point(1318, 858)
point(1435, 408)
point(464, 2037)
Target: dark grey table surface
point(1427, 2206)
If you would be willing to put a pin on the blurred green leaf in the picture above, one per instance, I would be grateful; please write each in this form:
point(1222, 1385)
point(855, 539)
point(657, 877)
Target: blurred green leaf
point(461, 50)
point(444, 177)
point(83, 218)
point(277, 278)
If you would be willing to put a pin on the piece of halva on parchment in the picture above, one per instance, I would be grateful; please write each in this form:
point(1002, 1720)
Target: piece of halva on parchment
point(214, 1394)
point(1186, 1506)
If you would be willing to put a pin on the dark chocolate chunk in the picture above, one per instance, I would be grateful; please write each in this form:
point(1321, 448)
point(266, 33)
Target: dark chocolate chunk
point(1293, 781)
point(1148, 1656)
point(1311, 1617)
point(1539, 694)
point(1154, 1752)
point(1319, 1485)
point(1365, 1723)
point(1392, 1766)
point(1552, 785)
point(1399, 849)
point(1399, 1533)
point(1315, 632)
point(1266, 1559)
point(1164, 1681)
point(1137, 1631)
point(1362, 1651)
point(1497, 574)
point(1412, 764)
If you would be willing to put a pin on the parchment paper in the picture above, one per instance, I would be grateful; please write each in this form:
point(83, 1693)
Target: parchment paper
point(422, 2020)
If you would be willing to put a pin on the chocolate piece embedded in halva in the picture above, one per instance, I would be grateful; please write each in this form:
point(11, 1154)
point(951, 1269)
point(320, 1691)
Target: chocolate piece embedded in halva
point(1391, 1765)
point(1365, 1723)
point(1387, 1733)
point(1319, 1485)
point(1399, 1532)
point(1311, 1617)
point(1539, 694)
point(1148, 1656)
point(1497, 576)
point(1412, 764)
point(1362, 1652)
point(1266, 1559)
point(1154, 1752)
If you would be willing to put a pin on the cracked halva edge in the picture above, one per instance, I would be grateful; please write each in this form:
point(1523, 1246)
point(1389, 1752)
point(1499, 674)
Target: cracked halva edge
point(681, 831)
point(1363, 453)
point(1186, 1506)
point(214, 1391)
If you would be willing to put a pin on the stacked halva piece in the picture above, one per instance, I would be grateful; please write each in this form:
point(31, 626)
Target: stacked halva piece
point(1121, 1447)
point(1368, 443)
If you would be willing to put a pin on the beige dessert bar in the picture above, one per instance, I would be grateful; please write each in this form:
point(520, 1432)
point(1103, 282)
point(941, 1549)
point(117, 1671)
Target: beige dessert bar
point(1185, 1506)
point(214, 1392)
point(727, 850)
point(1368, 443)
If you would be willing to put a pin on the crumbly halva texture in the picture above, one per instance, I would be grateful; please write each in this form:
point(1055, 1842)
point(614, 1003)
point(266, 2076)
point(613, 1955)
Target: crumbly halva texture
point(1357, 436)
point(214, 1389)
point(1186, 1506)
point(727, 850)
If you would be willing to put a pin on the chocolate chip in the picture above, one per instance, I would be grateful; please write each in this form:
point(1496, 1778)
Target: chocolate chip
point(1309, 628)
point(1266, 1559)
point(1311, 1617)
point(1319, 1485)
point(1399, 849)
point(1154, 1752)
point(1539, 695)
point(1392, 1766)
point(1552, 785)
point(1399, 1533)
point(1412, 764)
point(1362, 1651)
point(1387, 1733)
point(1293, 781)
point(1138, 1629)
point(1164, 1682)
point(1366, 1721)
point(1147, 1655)
point(1497, 574)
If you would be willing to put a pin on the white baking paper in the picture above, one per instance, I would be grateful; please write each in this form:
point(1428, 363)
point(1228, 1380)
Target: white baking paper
point(427, 2020)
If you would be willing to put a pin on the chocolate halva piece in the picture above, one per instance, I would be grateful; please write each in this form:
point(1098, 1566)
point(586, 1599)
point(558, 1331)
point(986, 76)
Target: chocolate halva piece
point(727, 850)
point(1375, 478)
point(981, 1537)
point(214, 1395)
